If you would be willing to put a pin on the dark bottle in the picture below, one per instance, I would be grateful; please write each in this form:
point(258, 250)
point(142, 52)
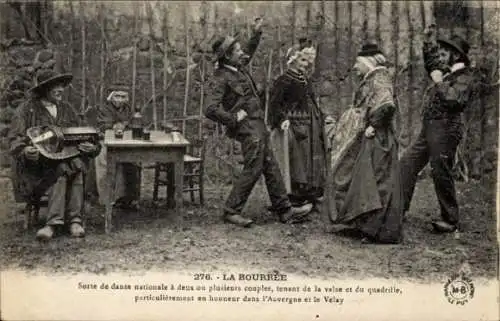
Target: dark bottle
point(136, 126)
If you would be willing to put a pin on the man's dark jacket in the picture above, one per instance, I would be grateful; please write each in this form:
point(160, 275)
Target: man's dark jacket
point(232, 89)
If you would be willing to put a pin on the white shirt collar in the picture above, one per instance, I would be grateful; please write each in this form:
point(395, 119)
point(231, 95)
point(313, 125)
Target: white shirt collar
point(457, 66)
point(51, 108)
point(231, 68)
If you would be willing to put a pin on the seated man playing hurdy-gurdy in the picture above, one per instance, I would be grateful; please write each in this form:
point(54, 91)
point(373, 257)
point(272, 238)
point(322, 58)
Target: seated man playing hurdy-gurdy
point(61, 177)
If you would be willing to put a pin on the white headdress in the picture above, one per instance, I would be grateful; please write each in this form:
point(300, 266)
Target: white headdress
point(295, 52)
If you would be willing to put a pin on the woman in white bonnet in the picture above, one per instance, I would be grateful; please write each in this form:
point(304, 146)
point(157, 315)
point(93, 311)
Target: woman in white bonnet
point(293, 107)
point(366, 195)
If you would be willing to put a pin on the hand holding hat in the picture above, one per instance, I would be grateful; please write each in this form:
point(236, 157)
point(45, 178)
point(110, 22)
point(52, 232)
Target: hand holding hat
point(257, 25)
point(430, 33)
point(240, 115)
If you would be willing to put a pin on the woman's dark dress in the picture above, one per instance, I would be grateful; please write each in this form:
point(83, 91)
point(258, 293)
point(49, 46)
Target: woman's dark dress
point(292, 99)
point(366, 181)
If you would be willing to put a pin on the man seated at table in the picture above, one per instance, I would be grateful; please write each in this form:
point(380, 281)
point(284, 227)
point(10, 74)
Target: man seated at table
point(115, 115)
point(61, 177)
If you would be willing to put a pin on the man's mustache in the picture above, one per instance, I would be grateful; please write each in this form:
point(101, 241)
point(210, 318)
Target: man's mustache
point(245, 58)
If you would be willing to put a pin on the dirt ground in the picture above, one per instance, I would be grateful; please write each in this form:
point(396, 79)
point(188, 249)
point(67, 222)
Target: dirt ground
point(154, 240)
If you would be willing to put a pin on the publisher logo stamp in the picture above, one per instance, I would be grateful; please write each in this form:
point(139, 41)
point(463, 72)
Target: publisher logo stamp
point(459, 289)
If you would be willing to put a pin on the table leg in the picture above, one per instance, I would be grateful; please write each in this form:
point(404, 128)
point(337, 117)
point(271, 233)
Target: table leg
point(139, 177)
point(179, 184)
point(110, 189)
point(171, 182)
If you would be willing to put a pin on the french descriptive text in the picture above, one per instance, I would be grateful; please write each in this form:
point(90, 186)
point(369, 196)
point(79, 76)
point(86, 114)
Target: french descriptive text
point(252, 288)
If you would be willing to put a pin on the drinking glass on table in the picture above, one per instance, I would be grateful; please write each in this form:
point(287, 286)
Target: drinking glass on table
point(118, 129)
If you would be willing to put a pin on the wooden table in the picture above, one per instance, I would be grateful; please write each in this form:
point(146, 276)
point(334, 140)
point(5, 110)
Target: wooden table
point(160, 148)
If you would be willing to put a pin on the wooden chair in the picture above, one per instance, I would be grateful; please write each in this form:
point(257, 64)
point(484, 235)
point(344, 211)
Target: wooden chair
point(32, 212)
point(194, 167)
point(32, 207)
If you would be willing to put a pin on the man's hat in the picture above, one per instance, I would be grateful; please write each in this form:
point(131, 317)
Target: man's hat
point(47, 78)
point(305, 42)
point(457, 44)
point(222, 45)
point(369, 49)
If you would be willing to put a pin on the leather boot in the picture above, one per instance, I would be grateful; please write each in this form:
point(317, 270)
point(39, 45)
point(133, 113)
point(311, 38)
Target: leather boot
point(296, 214)
point(76, 230)
point(237, 219)
point(45, 233)
point(318, 204)
point(443, 227)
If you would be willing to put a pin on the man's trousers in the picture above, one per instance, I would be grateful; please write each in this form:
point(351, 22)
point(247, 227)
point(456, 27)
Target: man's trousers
point(66, 198)
point(437, 143)
point(258, 160)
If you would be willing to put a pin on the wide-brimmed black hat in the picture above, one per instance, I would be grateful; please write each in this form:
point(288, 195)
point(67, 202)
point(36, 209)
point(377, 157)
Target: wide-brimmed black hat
point(222, 45)
point(305, 42)
point(369, 49)
point(457, 44)
point(47, 78)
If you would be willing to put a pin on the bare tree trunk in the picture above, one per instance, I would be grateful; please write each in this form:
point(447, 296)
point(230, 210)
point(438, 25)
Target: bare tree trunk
point(320, 38)
point(188, 71)
point(134, 56)
point(203, 68)
point(4, 23)
point(84, 57)
point(102, 13)
point(365, 21)
point(337, 50)
point(280, 52)
point(294, 20)
point(71, 42)
point(308, 18)
point(422, 13)
point(395, 35)
point(33, 13)
point(47, 17)
point(411, 84)
point(268, 84)
point(482, 103)
point(378, 33)
point(249, 32)
point(349, 50)
point(149, 12)
point(218, 134)
point(165, 60)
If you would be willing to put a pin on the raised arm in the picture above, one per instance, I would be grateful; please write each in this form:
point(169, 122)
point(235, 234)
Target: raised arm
point(253, 42)
point(430, 51)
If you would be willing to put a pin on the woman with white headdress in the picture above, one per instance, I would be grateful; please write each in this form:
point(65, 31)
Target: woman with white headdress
point(366, 195)
point(116, 114)
point(293, 108)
